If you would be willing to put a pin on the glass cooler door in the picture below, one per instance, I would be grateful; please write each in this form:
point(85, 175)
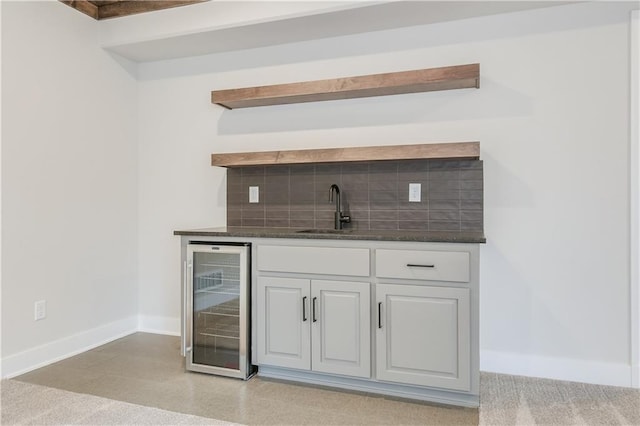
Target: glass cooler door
point(218, 308)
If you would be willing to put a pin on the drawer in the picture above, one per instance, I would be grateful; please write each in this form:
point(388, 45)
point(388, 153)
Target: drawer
point(423, 265)
point(314, 260)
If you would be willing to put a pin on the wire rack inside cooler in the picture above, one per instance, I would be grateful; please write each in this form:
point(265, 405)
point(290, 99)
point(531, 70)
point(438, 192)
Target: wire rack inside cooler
point(225, 309)
point(209, 281)
point(229, 331)
point(220, 320)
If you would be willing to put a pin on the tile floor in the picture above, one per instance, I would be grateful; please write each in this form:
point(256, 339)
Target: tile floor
point(147, 369)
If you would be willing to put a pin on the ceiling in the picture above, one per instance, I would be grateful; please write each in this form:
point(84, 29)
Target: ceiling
point(104, 9)
point(339, 18)
point(360, 17)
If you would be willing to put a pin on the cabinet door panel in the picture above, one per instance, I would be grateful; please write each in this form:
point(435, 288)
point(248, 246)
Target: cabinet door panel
point(341, 333)
point(283, 339)
point(434, 325)
point(424, 336)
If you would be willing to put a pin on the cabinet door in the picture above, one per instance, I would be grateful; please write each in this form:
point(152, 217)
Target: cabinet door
point(340, 328)
point(283, 322)
point(423, 336)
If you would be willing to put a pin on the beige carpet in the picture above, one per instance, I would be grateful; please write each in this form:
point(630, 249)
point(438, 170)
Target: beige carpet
point(515, 400)
point(28, 404)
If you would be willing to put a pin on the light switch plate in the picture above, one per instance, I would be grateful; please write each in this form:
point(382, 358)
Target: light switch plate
point(415, 190)
point(254, 194)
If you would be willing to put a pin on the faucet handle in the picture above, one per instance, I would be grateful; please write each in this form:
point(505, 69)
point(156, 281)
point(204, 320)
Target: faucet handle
point(345, 218)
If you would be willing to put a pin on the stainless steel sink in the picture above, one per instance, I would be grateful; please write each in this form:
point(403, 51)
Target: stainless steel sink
point(324, 231)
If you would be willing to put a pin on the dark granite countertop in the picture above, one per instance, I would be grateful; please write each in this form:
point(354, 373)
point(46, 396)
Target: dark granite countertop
point(422, 236)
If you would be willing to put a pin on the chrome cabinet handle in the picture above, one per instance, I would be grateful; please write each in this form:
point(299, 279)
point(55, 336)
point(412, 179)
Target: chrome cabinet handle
point(416, 265)
point(304, 308)
point(379, 314)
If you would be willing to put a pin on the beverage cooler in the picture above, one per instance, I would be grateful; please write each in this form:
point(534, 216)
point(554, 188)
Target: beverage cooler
point(216, 308)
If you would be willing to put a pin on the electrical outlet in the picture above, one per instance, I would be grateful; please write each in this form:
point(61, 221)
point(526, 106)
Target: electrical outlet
point(415, 190)
point(254, 194)
point(40, 310)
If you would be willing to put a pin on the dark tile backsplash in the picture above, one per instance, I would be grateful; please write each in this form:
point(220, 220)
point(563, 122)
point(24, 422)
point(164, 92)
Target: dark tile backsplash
point(374, 194)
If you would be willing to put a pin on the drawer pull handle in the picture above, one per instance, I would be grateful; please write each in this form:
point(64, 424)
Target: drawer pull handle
point(304, 308)
point(416, 265)
point(379, 314)
point(314, 308)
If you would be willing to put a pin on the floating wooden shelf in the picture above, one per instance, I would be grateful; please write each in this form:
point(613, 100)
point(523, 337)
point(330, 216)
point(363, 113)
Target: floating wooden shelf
point(425, 80)
point(458, 150)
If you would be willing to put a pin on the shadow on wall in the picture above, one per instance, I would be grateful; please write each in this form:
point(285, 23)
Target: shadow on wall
point(515, 316)
point(494, 100)
point(508, 190)
point(506, 304)
point(129, 66)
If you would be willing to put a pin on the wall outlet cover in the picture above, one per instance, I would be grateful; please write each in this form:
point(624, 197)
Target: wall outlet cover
point(415, 191)
point(254, 194)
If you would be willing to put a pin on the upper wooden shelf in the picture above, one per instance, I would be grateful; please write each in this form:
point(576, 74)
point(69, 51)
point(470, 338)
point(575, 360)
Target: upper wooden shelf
point(425, 80)
point(457, 150)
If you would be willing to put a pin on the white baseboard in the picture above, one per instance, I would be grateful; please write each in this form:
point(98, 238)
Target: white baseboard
point(574, 370)
point(159, 325)
point(48, 353)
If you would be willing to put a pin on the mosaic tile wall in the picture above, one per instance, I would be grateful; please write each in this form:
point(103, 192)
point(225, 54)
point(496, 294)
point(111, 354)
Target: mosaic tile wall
point(375, 195)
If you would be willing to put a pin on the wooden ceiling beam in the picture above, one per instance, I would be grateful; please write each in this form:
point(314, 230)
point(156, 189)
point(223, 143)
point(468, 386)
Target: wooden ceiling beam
point(125, 8)
point(83, 6)
point(98, 9)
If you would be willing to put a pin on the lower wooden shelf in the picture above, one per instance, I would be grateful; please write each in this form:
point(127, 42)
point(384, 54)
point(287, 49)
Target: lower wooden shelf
point(456, 150)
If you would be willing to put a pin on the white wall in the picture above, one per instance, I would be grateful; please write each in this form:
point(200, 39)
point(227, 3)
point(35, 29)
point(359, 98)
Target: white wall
point(552, 115)
point(69, 186)
point(178, 190)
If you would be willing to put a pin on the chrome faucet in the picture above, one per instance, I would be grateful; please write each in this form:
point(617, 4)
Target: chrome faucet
point(339, 217)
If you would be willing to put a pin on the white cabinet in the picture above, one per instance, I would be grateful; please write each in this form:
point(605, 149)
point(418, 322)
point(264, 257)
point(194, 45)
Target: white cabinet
point(393, 318)
point(424, 327)
point(314, 315)
point(423, 336)
point(317, 325)
point(340, 328)
point(283, 321)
